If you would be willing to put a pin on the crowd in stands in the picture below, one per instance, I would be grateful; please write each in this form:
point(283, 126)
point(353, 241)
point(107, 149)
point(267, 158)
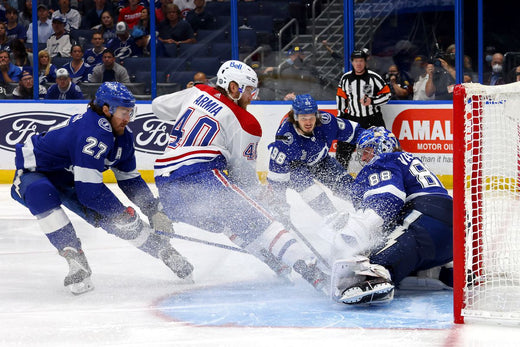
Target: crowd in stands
point(94, 41)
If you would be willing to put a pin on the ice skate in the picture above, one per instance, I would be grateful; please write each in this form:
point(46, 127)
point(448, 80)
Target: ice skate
point(312, 274)
point(78, 279)
point(372, 290)
point(176, 262)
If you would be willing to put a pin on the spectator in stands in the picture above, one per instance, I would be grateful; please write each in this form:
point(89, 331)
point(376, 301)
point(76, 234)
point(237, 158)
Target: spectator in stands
point(425, 72)
point(79, 71)
point(142, 43)
point(160, 14)
point(131, 14)
point(44, 26)
point(46, 70)
point(109, 71)
point(9, 72)
point(72, 16)
point(516, 74)
point(24, 12)
point(107, 27)
point(60, 43)
point(144, 22)
point(94, 56)
point(199, 18)
point(26, 86)
point(335, 55)
point(123, 45)
point(442, 80)
point(198, 78)
point(496, 77)
point(174, 30)
point(185, 6)
point(15, 30)
point(19, 55)
point(4, 40)
point(93, 16)
point(64, 88)
point(400, 85)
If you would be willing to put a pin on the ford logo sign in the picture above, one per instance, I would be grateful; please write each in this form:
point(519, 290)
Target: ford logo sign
point(151, 135)
point(17, 127)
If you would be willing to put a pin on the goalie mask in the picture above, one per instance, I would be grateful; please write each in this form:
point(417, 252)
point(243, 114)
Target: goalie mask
point(379, 139)
point(240, 73)
point(114, 95)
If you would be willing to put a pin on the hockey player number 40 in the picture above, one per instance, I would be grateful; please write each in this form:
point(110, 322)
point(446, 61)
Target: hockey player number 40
point(200, 132)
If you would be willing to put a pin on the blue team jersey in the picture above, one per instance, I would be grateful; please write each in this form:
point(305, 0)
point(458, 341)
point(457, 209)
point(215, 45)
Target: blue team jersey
point(79, 151)
point(293, 147)
point(92, 58)
point(81, 75)
point(392, 180)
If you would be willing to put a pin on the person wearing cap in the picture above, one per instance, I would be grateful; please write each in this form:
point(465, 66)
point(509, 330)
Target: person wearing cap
point(59, 43)
point(9, 72)
point(72, 16)
point(359, 97)
point(109, 71)
point(64, 88)
point(142, 42)
point(44, 26)
point(123, 44)
point(26, 86)
point(131, 14)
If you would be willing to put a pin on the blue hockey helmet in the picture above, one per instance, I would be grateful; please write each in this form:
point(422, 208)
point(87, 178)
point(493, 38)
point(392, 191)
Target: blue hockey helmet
point(378, 138)
point(114, 94)
point(304, 104)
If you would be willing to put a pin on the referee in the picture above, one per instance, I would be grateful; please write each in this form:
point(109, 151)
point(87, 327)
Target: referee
point(361, 92)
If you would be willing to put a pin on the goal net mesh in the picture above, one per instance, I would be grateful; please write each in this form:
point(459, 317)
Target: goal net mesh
point(491, 200)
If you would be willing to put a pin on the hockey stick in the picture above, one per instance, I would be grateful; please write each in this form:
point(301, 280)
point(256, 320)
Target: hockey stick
point(204, 242)
point(308, 244)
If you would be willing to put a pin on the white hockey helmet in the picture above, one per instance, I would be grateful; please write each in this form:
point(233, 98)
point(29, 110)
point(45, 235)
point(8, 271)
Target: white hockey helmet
point(240, 73)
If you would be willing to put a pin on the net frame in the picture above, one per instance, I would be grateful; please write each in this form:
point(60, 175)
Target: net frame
point(486, 202)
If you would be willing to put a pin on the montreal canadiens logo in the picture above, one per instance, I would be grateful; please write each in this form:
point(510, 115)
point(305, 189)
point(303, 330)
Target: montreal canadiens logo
point(17, 127)
point(151, 135)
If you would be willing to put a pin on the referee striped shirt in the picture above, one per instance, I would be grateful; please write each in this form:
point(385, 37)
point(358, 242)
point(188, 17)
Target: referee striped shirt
point(352, 88)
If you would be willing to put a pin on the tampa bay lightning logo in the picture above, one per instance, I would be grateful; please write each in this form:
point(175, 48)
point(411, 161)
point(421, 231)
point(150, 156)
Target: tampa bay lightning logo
point(104, 124)
point(325, 117)
point(288, 138)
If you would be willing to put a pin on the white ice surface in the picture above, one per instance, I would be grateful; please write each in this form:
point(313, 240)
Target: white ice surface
point(127, 305)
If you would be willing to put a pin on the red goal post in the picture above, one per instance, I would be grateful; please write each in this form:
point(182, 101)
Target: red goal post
point(486, 218)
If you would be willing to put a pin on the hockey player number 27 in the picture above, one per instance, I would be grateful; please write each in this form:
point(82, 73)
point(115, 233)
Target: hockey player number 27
point(201, 133)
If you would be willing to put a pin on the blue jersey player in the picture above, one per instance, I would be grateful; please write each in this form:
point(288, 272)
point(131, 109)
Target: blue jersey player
point(403, 222)
point(65, 166)
point(300, 156)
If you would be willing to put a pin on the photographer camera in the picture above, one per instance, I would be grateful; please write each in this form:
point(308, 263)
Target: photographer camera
point(442, 79)
point(400, 85)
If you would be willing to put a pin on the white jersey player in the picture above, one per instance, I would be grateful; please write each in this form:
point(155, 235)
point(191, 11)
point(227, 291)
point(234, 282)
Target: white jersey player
point(207, 175)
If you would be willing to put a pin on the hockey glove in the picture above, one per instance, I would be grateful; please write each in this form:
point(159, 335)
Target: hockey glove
point(128, 224)
point(160, 222)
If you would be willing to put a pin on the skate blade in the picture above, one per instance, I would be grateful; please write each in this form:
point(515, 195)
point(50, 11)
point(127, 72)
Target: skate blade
point(381, 294)
point(81, 287)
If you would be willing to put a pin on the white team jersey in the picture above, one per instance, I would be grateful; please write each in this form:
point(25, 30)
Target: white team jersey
point(210, 132)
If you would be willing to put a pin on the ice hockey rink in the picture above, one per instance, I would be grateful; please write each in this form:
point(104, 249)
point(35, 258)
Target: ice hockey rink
point(234, 299)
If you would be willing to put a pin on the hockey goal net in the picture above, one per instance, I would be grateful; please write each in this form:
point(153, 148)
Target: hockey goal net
point(486, 179)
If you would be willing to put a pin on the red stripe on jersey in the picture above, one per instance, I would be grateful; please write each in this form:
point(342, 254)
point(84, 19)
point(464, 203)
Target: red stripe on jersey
point(164, 160)
point(276, 238)
point(247, 121)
